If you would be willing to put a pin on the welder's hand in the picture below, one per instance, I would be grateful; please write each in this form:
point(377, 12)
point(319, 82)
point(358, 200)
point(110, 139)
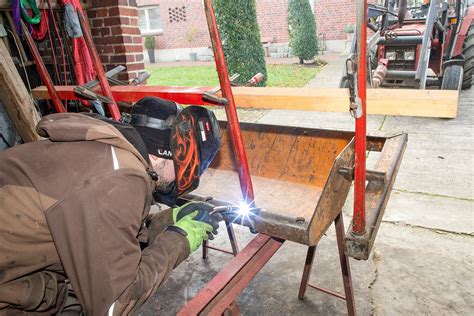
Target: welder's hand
point(195, 230)
point(204, 210)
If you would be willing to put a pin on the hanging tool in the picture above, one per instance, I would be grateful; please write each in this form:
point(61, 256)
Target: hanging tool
point(85, 91)
point(354, 101)
point(88, 94)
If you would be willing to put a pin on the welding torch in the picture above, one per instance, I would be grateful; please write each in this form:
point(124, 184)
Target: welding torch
point(242, 213)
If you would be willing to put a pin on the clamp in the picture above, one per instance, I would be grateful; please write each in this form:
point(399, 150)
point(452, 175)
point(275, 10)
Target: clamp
point(355, 104)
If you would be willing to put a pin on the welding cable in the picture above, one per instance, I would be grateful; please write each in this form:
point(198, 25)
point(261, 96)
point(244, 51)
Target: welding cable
point(22, 61)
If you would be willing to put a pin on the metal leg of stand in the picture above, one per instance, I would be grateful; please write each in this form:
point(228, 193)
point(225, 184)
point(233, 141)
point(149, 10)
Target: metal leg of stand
point(308, 265)
point(345, 268)
point(232, 239)
point(204, 249)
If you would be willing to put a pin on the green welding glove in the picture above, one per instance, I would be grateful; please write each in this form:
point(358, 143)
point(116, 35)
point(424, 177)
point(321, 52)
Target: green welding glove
point(204, 209)
point(193, 229)
point(190, 207)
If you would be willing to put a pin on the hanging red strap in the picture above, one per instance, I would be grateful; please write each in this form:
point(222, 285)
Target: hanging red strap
point(39, 30)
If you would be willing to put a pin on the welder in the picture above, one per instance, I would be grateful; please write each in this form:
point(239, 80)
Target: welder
point(76, 236)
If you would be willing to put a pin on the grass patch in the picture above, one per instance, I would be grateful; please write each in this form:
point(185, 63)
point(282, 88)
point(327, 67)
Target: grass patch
point(278, 75)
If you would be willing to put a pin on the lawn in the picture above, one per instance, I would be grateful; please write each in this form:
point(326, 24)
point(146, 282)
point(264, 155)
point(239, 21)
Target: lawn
point(278, 75)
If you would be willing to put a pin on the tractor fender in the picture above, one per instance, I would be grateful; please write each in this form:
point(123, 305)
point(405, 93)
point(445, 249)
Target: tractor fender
point(466, 23)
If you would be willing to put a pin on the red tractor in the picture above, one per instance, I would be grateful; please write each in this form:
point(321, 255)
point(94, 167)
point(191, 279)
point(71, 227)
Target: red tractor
point(419, 44)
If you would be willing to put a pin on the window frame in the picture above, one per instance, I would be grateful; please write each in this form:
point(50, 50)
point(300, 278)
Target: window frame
point(149, 30)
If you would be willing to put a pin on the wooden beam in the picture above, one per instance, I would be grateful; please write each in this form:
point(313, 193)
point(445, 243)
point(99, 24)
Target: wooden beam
point(406, 102)
point(16, 98)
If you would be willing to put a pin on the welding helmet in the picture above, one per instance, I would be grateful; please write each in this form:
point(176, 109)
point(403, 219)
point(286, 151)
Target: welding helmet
point(191, 137)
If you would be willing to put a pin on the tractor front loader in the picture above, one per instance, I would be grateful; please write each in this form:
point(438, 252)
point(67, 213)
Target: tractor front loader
point(421, 44)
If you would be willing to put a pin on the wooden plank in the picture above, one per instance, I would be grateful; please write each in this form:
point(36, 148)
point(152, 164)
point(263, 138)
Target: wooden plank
point(16, 99)
point(406, 102)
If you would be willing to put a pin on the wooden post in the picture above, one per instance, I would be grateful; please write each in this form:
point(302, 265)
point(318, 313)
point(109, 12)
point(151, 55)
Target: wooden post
point(16, 98)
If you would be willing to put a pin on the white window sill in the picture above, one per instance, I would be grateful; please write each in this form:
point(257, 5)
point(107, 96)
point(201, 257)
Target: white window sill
point(152, 32)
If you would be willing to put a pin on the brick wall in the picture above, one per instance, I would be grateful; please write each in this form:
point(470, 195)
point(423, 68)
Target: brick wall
point(331, 18)
point(191, 32)
point(272, 16)
point(116, 35)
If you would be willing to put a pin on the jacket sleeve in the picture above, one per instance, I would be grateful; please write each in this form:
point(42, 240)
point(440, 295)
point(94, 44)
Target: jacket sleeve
point(158, 260)
point(95, 230)
point(157, 222)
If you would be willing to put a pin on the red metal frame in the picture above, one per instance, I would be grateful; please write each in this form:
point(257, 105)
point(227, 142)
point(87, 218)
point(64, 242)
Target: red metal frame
point(345, 270)
point(358, 220)
point(224, 288)
point(104, 83)
point(182, 95)
point(230, 110)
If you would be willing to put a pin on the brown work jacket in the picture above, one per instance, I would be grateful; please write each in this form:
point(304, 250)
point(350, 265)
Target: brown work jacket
point(72, 210)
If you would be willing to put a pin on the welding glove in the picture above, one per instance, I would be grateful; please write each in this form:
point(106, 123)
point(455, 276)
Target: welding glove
point(195, 228)
point(204, 209)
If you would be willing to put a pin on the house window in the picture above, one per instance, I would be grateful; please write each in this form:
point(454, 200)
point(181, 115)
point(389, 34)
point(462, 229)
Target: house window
point(149, 21)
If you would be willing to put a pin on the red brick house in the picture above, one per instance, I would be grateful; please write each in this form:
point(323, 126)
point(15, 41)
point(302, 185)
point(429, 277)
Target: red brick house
point(179, 25)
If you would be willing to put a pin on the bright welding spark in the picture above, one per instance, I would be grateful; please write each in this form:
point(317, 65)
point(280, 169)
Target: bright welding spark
point(243, 214)
point(243, 209)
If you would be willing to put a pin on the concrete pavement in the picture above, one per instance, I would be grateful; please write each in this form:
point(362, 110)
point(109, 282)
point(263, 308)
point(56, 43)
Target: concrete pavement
point(422, 262)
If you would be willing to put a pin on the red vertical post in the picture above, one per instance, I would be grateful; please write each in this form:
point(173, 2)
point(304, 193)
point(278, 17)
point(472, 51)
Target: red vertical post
point(43, 72)
point(358, 220)
point(104, 83)
point(230, 110)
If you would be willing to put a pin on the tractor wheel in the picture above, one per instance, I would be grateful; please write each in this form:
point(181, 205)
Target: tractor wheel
point(468, 53)
point(452, 78)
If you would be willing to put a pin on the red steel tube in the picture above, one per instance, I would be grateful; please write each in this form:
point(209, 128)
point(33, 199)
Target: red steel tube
point(358, 220)
point(225, 287)
point(43, 72)
point(104, 83)
point(230, 110)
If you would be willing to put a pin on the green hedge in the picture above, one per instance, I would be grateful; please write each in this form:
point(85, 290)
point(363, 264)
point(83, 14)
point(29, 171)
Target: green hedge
point(240, 36)
point(302, 28)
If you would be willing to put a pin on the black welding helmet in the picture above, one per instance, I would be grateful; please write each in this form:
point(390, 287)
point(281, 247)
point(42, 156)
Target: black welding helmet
point(190, 137)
